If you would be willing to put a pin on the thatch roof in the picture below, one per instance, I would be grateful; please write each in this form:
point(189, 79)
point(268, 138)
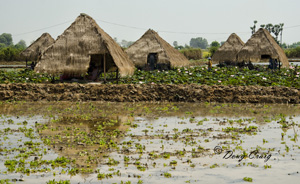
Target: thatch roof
point(71, 52)
point(33, 51)
point(229, 50)
point(262, 44)
point(151, 42)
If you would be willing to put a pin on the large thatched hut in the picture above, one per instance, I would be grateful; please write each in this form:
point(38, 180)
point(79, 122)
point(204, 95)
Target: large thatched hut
point(228, 51)
point(83, 48)
point(260, 48)
point(33, 51)
point(151, 51)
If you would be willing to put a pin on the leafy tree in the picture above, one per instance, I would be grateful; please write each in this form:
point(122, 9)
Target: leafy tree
point(6, 39)
point(215, 44)
point(269, 27)
point(126, 44)
point(8, 51)
point(293, 52)
point(254, 27)
point(276, 30)
point(21, 44)
point(2, 45)
point(175, 43)
point(199, 43)
point(212, 50)
point(179, 47)
point(187, 46)
point(284, 46)
point(294, 45)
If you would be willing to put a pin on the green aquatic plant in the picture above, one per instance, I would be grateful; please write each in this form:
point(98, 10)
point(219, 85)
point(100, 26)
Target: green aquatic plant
point(167, 175)
point(248, 179)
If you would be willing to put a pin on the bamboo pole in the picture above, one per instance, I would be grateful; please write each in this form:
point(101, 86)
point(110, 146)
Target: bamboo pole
point(104, 66)
point(117, 75)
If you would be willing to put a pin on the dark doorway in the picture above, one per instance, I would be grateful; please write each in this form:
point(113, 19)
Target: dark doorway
point(152, 61)
point(101, 67)
point(263, 57)
point(95, 66)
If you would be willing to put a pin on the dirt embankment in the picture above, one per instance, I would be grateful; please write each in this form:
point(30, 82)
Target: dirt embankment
point(148, 92)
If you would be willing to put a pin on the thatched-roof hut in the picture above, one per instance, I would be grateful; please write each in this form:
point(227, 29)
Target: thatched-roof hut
point(261, 47)
point(33, 51)
point(151, 51)
point(228, 51)
point(83, 47)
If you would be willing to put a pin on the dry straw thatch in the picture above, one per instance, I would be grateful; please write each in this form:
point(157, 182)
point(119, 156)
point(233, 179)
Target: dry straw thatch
point(151, 42)
point(33, 51)
point(228, 51)
point(72, 52)
point(260, 47)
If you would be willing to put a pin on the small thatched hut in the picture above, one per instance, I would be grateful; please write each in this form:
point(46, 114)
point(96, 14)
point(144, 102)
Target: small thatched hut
point(33, 51)
point(228, 51)
point(82, 48)
point(151, 51)
point(261, 47)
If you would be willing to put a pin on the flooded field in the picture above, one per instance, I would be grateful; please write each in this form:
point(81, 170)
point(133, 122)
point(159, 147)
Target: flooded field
point(149, 143)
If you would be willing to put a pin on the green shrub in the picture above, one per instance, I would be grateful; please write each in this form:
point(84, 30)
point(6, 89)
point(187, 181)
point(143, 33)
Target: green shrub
point(212, 50)
point(192, 53)
point(292, 53)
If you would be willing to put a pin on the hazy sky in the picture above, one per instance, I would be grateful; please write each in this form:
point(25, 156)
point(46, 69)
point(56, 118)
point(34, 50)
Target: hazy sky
point(174, 20)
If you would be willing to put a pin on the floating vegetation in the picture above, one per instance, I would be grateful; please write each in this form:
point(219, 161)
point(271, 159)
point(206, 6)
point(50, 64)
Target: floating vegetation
point(146, 142)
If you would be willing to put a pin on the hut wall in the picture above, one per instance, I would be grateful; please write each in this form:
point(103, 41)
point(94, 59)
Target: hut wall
point(138, 53)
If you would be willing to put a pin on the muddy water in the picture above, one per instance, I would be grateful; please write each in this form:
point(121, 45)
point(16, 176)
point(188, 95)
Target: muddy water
point(150, 142)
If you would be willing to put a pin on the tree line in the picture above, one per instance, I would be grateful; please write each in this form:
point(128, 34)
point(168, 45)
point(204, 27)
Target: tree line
point(9, 51)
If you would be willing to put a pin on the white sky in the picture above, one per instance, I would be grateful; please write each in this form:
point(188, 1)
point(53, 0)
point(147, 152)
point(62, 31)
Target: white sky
point(210, 19)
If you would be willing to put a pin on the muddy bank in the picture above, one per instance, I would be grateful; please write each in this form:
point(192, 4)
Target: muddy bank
point(148, 93)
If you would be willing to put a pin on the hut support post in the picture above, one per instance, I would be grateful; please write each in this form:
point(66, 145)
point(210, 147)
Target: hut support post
point(104, 67)
point(117, 75)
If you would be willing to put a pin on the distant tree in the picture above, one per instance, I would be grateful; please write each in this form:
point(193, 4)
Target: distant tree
point(199, 43)
point(125, 43)
point(212, 50)
point(21, 44)
point(2, 45)
point(214, 47)
point(222, 42)
point(180, 47)
point(6, 39)
point(254, 27)
point(276, 30)
point(294, 45)
point(215, 44)
point(284, 46)
point(175, 44)
point(269, 27)
point(281, 29)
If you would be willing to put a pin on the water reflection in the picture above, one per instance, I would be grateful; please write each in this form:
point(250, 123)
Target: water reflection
point(144, 140)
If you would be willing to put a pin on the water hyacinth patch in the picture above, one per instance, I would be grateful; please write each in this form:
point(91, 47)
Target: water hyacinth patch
point(228, 76)
point(23, 76)
point(262, 76)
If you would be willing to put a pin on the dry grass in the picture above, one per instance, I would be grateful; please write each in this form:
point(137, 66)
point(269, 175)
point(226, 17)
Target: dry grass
point(228, 51)
point(151, 42)
point(36, 48)
point(71, 52)
point(262, 43)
